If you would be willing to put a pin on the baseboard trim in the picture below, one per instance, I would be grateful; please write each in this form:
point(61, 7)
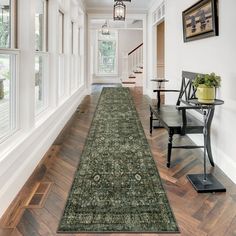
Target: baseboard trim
point(224, 162)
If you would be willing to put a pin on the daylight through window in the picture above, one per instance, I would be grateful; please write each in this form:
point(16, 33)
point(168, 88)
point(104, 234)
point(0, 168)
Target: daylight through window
point(8, 72)
point(107, 53)
point(41, 47)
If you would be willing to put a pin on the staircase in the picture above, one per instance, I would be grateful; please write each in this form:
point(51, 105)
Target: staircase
point(133, 68)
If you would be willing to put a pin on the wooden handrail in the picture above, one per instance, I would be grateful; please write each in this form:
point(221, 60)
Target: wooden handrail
point(135, 49)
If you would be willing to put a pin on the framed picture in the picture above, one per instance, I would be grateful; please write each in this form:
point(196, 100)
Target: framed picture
point(201, 20)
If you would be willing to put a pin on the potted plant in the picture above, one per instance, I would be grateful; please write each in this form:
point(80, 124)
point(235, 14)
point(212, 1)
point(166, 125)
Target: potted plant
point(206, 86)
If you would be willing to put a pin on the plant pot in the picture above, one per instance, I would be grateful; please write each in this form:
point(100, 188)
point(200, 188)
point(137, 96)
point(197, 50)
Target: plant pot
point(205, 94)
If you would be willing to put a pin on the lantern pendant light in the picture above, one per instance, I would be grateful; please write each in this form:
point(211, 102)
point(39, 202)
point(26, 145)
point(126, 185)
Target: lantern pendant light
point(105, 29)
point(119, 11)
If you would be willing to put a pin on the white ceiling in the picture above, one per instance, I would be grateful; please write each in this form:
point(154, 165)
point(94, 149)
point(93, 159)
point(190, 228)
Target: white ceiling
point(133, 5)
point(128, 24)
point(6, 2)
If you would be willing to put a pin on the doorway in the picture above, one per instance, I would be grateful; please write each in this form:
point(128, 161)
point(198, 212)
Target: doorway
point(161, 50)
point(160, 57)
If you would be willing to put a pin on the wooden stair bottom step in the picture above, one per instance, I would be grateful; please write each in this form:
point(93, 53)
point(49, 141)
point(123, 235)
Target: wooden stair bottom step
point(127, 82)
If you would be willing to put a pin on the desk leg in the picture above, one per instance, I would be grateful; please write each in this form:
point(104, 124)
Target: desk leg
point(158, 99)
point(205, 183)
point(169, 148)
point(151, 121)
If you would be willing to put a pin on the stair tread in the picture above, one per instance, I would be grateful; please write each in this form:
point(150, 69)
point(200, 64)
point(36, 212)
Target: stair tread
point(128, 82)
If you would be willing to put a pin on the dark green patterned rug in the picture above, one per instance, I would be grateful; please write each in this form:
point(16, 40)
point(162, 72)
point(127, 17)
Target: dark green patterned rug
point(117, 187)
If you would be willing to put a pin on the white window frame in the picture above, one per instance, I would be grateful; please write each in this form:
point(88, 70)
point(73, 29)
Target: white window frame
point(61, 60)
point(14, 84)
point(45, 84)
point(62, 52)
point(45, 59)
point(79, 62)
point(73, 59)
point(79, 40)
point(116, 58)
point(14, 92)
point(73, 23)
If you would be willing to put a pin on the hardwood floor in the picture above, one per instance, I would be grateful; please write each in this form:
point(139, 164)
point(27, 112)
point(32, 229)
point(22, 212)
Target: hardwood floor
point(196, 214)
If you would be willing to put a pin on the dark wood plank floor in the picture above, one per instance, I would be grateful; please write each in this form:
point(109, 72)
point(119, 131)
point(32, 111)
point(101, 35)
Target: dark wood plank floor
point(196, 214)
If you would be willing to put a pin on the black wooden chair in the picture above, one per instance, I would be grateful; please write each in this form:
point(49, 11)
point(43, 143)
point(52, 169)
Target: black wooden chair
point(177, 119)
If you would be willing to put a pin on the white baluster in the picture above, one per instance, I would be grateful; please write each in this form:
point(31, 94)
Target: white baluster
point(139, 56)
point(132, 63)
point(142, 56)
point(135, 59)
point(131, 60)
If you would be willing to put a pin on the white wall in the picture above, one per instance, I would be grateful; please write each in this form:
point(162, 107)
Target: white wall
point(127, 41)
point(21, 152)
point(215, 54)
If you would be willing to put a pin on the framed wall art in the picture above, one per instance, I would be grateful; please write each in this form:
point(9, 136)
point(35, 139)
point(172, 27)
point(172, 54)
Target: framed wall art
point(201, 20)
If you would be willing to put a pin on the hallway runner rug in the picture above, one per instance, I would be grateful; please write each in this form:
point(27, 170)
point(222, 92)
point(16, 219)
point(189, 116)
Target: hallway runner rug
point(117, 187)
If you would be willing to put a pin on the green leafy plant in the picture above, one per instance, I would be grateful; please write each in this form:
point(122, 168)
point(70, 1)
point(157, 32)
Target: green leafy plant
point(209, 80)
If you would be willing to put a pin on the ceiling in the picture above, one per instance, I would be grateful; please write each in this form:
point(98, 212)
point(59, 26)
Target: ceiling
point(105, 4)
point(128, 24)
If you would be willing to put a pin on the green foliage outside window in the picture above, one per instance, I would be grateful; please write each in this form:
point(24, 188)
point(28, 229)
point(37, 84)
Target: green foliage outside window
point(107, 56)
point(107, 48)
point(4, 26)
point(4, 35)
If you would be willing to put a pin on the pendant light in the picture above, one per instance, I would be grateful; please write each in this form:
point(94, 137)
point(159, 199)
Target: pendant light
point(119, 11)
point(105, 29)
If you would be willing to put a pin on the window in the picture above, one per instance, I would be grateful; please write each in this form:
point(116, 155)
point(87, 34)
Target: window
point(41, 82)
point(41, 47)
point(62, 82)
point(61, 32)
point(79, 41)
point(8, 69)
point(79, 63)
point(5, 25)
point(73, 60)
point(7, 93)
point(107, 54)
point(41, 25)
point(72, 38)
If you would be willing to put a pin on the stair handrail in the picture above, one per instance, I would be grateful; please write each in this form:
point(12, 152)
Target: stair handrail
point(139, 46)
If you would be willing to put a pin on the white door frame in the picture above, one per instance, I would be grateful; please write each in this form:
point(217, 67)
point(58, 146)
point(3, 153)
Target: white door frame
point(154, 46)
point(142, 17)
